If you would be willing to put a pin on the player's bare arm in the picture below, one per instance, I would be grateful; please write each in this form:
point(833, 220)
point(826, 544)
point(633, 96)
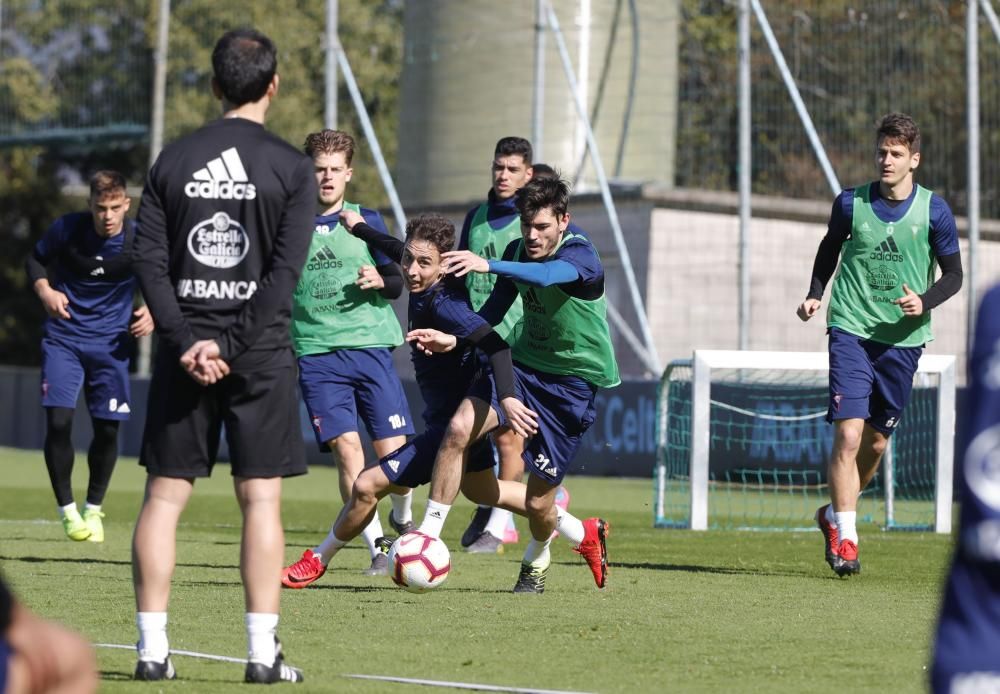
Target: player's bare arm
point(461, 263)
point(55, 302)
point(431, 341)
point(808, 308)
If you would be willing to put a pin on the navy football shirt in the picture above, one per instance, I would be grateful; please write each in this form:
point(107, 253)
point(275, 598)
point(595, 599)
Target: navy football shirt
point(99, 310)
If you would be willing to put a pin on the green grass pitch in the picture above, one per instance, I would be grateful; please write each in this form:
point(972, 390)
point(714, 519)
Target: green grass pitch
point(683, 611)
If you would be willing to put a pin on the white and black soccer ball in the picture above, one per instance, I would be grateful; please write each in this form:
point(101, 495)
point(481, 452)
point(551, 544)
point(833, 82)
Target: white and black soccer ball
point(419, 562)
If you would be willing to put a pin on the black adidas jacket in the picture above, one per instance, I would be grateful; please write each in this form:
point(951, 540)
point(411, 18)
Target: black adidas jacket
point(224, 228)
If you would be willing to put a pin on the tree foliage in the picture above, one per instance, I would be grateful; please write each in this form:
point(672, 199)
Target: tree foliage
point(72, 71)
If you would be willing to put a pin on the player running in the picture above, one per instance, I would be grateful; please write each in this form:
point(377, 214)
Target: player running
point(438, 305)
point(889, 234)
point(561, 358)
point(343, 329)
point(88, 339)
point(487, 230)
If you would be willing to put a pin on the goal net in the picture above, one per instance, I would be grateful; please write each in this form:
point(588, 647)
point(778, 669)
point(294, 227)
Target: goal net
point(743, 443)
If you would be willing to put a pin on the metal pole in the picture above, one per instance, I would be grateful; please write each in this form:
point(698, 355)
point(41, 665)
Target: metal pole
point(991, 17)
point(330, 75)
point(744, 174)
point(630, 337)
point(602, 179)
point(793, 91)
point(145, 351)
point(972, 125)
point(159, 81)
point(366, 125)
point(538, 110)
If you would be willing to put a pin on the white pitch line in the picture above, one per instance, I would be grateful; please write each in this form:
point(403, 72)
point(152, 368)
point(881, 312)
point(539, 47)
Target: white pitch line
point(464, 685)
point(192, 654)
point(384, 678)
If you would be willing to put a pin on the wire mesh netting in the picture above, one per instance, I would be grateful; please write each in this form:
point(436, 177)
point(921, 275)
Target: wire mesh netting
point(769, 444)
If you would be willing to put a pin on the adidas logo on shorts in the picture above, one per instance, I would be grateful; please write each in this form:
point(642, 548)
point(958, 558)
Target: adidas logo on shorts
point(222, 178)
point(393, 465)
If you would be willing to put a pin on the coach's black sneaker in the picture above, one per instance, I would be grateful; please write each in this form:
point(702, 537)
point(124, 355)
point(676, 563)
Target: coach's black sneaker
point(478, 525)
point(401, 528)
point(152, 671)
point(258, 673)
point(847, 562)
point(531, 579)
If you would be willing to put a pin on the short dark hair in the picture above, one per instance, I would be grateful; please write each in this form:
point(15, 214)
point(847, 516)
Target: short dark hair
point(106, 182)
point(901, 128)
point(540, 170)
point(328, 142)
point(506, 146)
point(434, 228)
point(244, 62)
point(541, 193)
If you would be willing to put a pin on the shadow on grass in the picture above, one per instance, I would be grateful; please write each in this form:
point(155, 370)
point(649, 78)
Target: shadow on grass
point(110, 562)
point(115, 676)
point(724, 570)
point(392, 589)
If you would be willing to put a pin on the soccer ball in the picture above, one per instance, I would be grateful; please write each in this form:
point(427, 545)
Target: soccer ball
point(419, 562)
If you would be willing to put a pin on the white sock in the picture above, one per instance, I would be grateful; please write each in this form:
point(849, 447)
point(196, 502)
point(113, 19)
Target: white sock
point(372, 532)
point(497, 524)
point(537, 553)
point(261, 627)
point(328, 547)
point(95, 508)
point(846, 525)
point(153, 644)
point(831, 517)
point(69, 508)
point(434, 517)
point(569, 527)
point(402, 507)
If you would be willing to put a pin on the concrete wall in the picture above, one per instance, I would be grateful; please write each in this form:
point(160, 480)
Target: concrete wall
point(693, 279)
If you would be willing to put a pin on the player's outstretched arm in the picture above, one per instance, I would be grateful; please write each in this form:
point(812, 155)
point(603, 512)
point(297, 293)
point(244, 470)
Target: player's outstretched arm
point(431, 341)
point(376, 240)
point(461, 263)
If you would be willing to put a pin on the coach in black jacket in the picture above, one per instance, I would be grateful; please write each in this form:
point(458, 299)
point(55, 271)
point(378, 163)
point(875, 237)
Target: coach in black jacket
point(224, 228)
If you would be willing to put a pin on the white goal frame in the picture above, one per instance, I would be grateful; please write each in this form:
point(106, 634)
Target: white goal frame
point(704, 361)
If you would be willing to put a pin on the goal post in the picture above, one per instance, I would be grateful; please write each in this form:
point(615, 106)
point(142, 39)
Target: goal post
point(761, 416)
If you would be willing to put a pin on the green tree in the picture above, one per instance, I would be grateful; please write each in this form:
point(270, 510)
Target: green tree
point(76, 85)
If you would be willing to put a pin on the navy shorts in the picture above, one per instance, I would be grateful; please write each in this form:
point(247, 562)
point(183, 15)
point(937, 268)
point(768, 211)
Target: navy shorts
point(101, 370)
point(258, 408)
point(869, 380)
point(565, 408)
point(340, 385)
point(413, 464)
